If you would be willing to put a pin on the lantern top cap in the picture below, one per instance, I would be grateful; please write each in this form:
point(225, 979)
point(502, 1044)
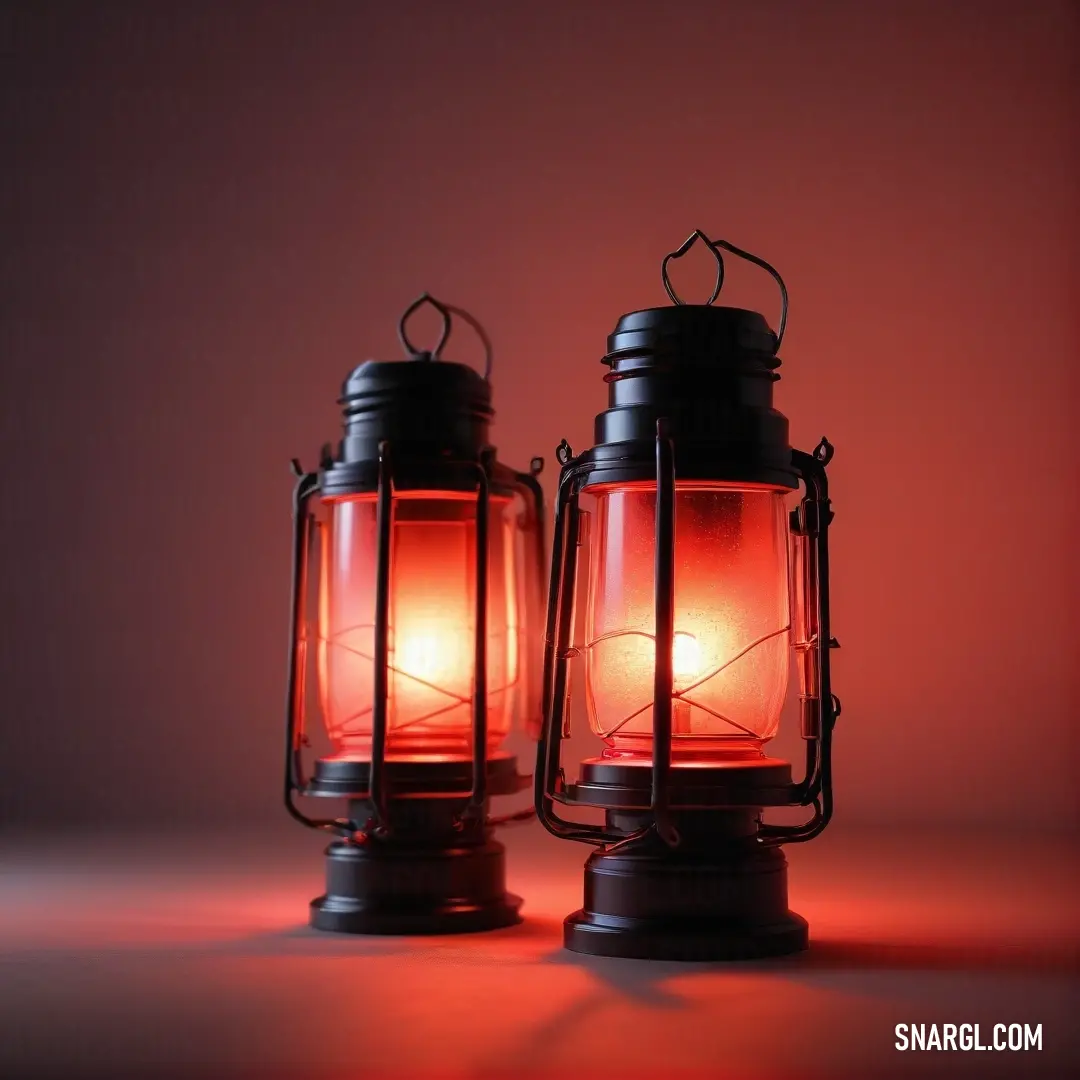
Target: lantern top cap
point(694, 335)
point(381, 383)
point(390, 383)
point(435, 414)
point(704, 375)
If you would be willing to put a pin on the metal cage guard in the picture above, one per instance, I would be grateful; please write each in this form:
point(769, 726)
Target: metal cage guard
point(820, 711)
point(379, 823)
point(811, 520)
point(307, 486)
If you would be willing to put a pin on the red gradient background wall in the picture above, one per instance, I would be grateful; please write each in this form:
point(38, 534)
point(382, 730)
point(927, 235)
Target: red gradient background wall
point(211, 212)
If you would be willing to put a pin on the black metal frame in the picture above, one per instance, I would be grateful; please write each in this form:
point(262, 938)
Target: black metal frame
point(379, 823)
point(809, 523)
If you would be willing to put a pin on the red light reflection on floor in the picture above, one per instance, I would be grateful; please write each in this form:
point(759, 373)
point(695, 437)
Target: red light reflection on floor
point(201, 958)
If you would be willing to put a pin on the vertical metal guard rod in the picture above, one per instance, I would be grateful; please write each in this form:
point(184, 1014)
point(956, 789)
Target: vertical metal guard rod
point(664, 603)
point(560, 611)
point(307, 486)
point(563, 632)
point(533, 494)
point(825, 641)
point(810, 705)
point(817, 787)
point(384, 509)
point(298, 639)
point(547, 724)
point(480, 717)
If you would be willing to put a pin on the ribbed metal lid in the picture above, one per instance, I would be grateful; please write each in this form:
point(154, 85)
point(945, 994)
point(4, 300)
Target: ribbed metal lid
point(694, 335)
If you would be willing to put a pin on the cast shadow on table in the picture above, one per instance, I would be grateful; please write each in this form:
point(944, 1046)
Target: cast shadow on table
point(532, 935)
point(538, 938)
point(642, 979)
point(1045, 957)
point(660, 986)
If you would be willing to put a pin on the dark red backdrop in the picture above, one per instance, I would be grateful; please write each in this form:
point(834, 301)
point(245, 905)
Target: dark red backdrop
point(210, 212)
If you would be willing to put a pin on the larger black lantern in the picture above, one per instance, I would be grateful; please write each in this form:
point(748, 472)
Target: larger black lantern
point(671, 586)
point(429, 554)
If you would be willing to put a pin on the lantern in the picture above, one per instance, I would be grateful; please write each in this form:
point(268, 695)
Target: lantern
point(428, 554)
point(671, 588)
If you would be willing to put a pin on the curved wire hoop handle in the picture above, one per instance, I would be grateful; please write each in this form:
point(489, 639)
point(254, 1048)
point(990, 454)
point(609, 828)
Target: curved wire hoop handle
point(714, 246)
point(447, 311)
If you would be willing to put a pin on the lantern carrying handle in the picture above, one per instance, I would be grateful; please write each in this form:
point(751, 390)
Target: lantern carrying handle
point(447, 311)
point(714, 246)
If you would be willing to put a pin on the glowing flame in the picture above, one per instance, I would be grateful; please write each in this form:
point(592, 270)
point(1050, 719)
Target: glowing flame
point(685, 656)
point(432, 657)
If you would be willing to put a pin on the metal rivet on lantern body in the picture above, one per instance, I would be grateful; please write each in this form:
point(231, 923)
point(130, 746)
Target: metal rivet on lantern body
point(426, 644)
point(676, 520)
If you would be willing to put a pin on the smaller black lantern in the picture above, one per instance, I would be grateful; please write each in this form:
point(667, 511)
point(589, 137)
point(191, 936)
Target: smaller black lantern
point(684, 616)
point(429, 555)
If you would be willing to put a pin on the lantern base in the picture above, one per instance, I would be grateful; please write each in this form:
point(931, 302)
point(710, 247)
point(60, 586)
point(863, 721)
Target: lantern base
point(593, 935)
point(654, 903)
point(384, 888)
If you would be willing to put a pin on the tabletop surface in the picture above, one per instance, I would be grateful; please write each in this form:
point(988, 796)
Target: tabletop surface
point(189, 955)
